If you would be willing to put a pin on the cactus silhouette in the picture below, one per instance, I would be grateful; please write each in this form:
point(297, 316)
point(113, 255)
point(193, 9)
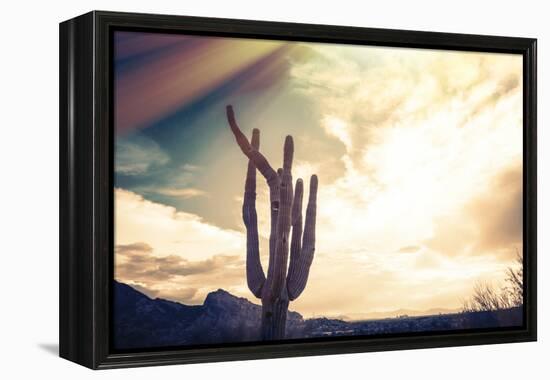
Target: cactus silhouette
point(285, 281)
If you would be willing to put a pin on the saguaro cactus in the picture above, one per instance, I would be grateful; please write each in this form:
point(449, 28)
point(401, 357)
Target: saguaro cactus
point(285, 281)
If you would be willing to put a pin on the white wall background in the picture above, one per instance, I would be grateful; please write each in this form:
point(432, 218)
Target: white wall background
point(29, 187)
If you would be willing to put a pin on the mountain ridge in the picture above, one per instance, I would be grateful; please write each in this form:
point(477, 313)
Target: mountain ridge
point(141, 322)
point(349, 317)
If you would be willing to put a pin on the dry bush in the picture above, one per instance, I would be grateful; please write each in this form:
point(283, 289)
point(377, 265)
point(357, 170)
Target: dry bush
point(487, 297)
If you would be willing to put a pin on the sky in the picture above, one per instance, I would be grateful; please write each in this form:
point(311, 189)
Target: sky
point(418, 154)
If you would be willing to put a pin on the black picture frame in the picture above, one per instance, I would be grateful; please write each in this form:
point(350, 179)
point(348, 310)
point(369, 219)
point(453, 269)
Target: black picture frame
point(86, 185)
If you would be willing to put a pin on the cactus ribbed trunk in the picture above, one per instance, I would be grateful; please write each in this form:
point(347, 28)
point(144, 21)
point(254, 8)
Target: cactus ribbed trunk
point(274, 314)
point(285, 281)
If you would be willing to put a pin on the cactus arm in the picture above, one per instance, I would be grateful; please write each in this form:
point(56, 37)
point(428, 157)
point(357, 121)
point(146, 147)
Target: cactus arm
point(254, 155)
point(274, 202)
point(276, 282)
point(298, 278)
point(296, 239)
point(271, 176)
point(254, 273)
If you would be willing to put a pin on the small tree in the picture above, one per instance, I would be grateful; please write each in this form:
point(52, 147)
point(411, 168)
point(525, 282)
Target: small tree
point(514, 281)
point(486, 297)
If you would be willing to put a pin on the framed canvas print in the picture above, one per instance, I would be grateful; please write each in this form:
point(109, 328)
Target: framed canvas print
point(236, 189)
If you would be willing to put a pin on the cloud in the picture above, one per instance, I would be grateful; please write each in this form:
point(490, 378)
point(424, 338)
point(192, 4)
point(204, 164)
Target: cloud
point(409, 249)
point(190, 167)
point(382, 281)
point(362, 90)
point(416, 153)
point(136, 263)
point(136, 154)
point(170, 231)
point(500, 89)
point(499, 213)
point(180, 182)
point(431, 140)
point(174, 255)
point(139, 247)
point(490, 223)
point(339, 129)
point(185, 193)
point(183, 295)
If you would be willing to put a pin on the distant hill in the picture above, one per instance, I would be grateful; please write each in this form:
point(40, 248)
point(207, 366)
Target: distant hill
point(142, 322)
point(395, 313)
